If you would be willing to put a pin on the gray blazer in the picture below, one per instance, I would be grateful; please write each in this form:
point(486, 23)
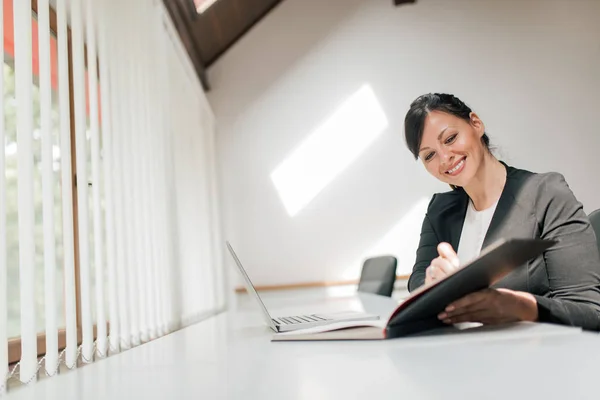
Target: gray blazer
point(565, 280)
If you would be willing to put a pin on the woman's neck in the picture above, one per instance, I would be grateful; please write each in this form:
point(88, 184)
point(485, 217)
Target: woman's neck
point(487, 185)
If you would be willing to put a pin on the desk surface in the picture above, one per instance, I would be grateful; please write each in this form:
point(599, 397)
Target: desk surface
point(231, 356)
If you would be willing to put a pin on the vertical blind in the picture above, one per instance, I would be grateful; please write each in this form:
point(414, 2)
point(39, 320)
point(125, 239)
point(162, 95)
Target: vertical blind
point(24, 124)
point(3, 258)
point(109, 211)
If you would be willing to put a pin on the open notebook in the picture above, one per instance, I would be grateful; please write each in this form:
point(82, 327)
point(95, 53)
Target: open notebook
point(418, 312)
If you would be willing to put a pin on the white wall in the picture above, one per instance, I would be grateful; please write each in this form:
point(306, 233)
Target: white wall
point(529, 68)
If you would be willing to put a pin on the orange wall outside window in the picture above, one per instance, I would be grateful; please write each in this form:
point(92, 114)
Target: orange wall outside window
point(9, 44)
point(9, 48)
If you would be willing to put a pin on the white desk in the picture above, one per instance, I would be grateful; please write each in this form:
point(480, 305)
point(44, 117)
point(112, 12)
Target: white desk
point(231, 356)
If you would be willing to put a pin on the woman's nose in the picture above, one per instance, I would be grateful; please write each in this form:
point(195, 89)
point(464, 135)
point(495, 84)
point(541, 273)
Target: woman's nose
point(445, 156)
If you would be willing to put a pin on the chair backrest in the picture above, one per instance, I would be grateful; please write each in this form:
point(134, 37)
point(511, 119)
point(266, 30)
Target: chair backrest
point(378, 275)
point(595, 221)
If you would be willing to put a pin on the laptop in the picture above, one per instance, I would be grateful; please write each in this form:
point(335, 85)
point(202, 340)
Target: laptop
point(295, 322)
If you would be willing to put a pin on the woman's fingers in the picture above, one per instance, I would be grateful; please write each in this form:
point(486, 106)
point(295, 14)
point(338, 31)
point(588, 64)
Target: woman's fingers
point(487, 306)
point(483, 316)
point(443, 265)
point(430, 274)
point(446, 251)
point(464, 309)
point(470, 299)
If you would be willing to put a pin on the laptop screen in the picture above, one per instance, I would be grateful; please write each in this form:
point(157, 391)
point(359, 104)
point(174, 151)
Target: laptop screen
point(250, 287)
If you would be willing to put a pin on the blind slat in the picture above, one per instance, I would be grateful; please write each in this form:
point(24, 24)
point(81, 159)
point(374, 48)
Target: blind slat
point(172, 303)
point(137, 158)
point(118, 80)
point(66, 187)
point(157, 249)
point(3, 254)
point(157, 211)
point(23, 94)
point(128, 151)
point(216, 255)
point(82, 178)
point(96, 182)
point(107, 148)
point(159, 187)
point(154, 205)
point(165, 184)
point(165, 233)
point(147, 96)
point(47, 186)
point(152, 186)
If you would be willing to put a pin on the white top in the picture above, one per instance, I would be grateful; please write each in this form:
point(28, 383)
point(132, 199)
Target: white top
point(474, 229)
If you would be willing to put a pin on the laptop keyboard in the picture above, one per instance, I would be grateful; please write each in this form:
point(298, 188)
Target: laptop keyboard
point(299, 319)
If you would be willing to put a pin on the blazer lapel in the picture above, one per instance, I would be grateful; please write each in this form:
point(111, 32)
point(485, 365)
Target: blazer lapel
point(456, 218)
point(505, 203)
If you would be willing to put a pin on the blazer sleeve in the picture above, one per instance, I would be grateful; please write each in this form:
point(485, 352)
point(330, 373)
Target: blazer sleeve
point(426, 252)
point(573, 264)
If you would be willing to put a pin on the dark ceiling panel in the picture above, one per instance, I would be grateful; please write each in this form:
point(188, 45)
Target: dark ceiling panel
point(208, 35)
point(180, 14)
point(219, 27)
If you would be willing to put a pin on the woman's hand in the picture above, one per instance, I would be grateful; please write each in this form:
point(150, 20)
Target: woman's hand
point(492, 306)
point(443, 265)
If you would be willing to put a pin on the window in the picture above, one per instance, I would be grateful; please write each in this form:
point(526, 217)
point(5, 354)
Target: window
point(11, 173)
point(147, 272)
point(92, 186)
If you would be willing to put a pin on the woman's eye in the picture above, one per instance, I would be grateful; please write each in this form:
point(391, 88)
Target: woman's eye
point(451, 138)
point(429, 156)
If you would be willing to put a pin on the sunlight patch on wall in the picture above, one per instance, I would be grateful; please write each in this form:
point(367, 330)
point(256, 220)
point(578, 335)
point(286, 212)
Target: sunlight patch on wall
point(330, 149)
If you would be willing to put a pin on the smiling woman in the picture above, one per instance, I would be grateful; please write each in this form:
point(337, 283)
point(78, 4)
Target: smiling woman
point(438, 107)
point(489, 201)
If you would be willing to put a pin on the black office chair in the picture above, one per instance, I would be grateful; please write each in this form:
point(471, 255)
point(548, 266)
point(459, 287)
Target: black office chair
point(378, 275)
point(595, 221)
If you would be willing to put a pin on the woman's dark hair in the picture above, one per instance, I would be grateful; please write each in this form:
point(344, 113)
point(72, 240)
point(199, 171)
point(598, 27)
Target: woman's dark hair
point(422, 106)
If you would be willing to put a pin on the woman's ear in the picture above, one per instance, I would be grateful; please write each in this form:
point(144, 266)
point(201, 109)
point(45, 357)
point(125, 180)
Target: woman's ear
point(477, 124)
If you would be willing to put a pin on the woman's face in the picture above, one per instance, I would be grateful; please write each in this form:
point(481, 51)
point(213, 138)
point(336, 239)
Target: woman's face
point(451, 148)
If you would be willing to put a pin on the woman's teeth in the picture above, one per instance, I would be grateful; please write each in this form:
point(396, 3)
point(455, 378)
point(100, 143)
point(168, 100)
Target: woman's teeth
point(460, 164)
